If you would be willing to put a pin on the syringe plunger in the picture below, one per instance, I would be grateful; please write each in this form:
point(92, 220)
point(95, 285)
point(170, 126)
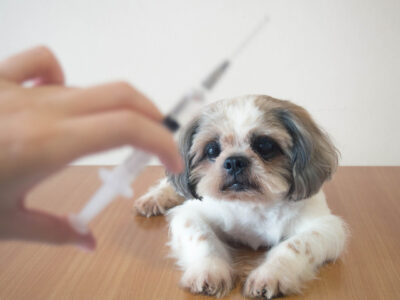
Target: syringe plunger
point(116, 182)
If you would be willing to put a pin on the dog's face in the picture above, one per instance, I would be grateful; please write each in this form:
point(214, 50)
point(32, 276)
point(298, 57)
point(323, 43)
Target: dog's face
point(254, 148)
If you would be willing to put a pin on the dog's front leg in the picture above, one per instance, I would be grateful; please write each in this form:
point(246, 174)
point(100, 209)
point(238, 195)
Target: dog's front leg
point(295, 260)
point(203, 257)
point(158, 199)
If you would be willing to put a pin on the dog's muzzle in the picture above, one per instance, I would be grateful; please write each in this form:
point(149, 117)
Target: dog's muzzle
point(236, 168)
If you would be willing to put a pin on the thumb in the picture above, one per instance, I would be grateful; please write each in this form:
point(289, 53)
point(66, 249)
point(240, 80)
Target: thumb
point(34, 225)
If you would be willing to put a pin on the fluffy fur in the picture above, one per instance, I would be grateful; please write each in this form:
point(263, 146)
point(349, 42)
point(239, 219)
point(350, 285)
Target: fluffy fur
point(254, 170)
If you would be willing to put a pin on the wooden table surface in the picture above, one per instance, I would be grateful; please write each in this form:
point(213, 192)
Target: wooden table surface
point(130, 261)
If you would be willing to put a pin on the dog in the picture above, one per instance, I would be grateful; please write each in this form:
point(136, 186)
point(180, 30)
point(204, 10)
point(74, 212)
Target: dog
point(254, 168)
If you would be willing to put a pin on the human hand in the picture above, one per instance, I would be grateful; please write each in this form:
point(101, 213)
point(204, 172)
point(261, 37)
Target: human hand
point(44, 127)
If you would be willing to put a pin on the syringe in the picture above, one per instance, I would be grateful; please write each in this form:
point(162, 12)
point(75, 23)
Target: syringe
point(117, 182)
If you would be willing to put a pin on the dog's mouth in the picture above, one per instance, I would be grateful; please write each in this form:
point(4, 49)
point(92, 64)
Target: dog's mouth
point(237, 185)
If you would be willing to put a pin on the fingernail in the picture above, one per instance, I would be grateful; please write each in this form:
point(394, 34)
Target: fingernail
point(86, 243)
point(176, 168)
point(84, 248)
point(181, 164)
point(77, 224)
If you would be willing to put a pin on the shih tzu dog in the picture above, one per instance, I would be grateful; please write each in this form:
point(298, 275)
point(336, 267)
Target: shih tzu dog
point(254, 170)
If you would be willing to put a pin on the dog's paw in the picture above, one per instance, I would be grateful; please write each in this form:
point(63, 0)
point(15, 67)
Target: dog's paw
point(157, 200)
point(274, 279)
point(211, 276)
point(149, 205)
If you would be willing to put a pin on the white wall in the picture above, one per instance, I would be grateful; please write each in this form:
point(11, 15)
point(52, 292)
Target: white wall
point(339, 59)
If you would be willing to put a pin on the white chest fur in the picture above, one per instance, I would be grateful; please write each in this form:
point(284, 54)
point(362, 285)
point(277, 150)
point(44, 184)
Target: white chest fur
point(250, 223)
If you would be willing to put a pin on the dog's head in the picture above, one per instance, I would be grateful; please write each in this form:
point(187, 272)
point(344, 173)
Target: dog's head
point(254, 148)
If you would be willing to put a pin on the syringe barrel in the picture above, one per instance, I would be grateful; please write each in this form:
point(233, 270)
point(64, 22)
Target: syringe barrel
point(135, 163)
point(212, 79)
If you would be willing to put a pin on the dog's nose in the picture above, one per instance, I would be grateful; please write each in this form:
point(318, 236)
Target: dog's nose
point(236, 164)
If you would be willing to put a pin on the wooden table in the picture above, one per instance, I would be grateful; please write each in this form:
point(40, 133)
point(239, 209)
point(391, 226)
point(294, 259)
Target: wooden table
point(130, 261)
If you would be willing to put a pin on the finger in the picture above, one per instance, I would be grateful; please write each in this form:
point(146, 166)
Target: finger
point(110, 96)
point(38, 63)
point(98, 132)
point(32, 225)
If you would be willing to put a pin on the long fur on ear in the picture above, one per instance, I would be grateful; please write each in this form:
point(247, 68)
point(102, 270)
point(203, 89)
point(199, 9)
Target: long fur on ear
point(313, 157)
point(182, 182)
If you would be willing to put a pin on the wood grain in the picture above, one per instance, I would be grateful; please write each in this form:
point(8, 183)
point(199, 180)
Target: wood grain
point(131, 258)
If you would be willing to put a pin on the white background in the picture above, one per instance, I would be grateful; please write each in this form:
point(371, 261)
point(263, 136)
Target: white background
point(338, 59)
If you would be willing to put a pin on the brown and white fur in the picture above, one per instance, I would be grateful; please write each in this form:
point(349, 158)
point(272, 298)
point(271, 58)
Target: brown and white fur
point(254, 170)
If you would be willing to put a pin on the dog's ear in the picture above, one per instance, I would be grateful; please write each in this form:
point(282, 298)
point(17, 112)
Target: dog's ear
point(182, 182)
point(313, 158)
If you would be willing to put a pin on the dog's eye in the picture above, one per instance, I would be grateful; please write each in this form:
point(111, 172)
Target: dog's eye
point(266, 147)
point(212, 150)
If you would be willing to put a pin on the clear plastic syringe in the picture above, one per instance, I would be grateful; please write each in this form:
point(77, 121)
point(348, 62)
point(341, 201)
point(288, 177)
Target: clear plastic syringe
point(117, 182)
